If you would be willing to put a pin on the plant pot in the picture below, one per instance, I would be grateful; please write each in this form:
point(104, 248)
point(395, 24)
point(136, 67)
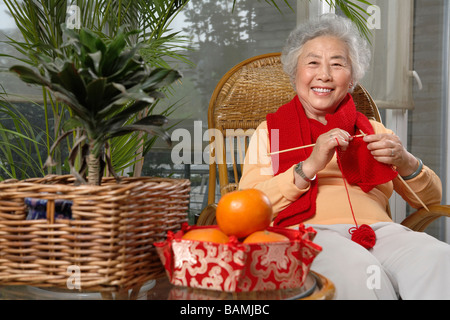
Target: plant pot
point(106, 244)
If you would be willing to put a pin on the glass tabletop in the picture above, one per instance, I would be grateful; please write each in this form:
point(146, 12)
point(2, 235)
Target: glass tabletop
point(159, 289)
point(166, 291)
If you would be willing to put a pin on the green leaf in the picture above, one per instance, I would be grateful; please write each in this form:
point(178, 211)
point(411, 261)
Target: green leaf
point(112, 54)
point(71, 101)
point(72, 123)
point(29, 76)
point(159, 78)
point(70, 79)
point(356, 13)
point(123, 66)
point(153, 130)
point(95, 91)
point(71, 40)
point(91, 42)
point(153, 120)
point(96, 59)
point(126, 113)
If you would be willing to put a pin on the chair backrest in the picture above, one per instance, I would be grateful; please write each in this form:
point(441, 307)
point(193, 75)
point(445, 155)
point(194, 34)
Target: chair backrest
point(240, 102)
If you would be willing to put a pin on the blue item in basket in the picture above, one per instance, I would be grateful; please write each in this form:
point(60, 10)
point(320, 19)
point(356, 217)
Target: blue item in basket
point(37, 209)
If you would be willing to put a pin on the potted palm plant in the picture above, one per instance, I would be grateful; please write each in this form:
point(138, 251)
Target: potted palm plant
point(104, 84)
point(109, 233)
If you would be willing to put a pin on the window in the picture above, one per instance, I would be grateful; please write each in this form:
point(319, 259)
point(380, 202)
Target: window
point(220, 39)
point(428, 122)
point(17, 90)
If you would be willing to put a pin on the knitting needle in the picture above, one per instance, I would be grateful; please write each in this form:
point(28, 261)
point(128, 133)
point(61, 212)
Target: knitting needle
point(304, 147)
point(358, 136)
point(412, 191)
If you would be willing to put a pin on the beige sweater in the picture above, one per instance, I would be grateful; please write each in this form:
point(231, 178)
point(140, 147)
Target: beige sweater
point(332, 201)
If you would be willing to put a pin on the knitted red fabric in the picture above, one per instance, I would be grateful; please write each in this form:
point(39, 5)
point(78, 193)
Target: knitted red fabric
point(294, 129)
point(360, 168)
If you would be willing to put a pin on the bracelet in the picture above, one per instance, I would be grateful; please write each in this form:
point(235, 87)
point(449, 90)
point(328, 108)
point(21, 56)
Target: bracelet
point(415, 173)
point(300, 172)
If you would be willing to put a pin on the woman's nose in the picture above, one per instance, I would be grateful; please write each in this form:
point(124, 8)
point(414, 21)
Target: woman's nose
point(324, 74)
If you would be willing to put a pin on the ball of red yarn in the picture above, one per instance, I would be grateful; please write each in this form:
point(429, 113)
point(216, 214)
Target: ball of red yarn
point(364, 235)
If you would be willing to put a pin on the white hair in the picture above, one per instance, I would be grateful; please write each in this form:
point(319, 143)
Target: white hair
point(333, 26)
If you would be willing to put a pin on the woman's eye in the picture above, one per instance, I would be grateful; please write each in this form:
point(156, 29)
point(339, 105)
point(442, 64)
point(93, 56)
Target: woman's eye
point(339, 65)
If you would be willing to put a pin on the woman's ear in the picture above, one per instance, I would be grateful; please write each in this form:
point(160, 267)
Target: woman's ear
point(351, 87)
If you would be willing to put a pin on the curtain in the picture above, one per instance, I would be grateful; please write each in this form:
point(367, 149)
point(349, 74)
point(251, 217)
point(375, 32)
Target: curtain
point(390, 78)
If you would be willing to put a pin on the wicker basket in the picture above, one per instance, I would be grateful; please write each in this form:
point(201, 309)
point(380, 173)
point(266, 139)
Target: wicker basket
point(108, 241)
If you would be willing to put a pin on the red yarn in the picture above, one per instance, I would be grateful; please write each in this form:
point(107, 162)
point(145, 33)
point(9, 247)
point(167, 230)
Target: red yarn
point(364, 235)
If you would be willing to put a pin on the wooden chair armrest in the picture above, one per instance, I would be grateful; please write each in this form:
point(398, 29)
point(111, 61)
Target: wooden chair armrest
point(208, 216)
point(419, 220)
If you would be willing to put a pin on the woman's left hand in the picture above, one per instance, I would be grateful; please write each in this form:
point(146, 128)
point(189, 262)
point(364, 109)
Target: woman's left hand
point(388, 149)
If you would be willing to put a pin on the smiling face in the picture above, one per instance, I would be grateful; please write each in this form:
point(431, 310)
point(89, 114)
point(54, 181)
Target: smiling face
point(324, 76)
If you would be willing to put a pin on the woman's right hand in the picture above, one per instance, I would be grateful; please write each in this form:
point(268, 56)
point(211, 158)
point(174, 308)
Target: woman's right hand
point(323, 152)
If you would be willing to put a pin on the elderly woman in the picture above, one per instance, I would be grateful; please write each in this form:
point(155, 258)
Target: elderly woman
point(344, 180)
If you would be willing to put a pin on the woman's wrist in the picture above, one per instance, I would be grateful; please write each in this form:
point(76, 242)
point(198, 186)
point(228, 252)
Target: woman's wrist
point(308, 170)
point(301, 173)
point(416, 172)
point(409, 164)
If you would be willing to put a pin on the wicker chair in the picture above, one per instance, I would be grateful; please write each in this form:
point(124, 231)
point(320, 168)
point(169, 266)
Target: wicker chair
point(241, 101)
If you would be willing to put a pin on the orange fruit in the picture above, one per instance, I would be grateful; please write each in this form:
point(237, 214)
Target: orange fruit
point(240, 213)
point(265, 236)
point(206, 234)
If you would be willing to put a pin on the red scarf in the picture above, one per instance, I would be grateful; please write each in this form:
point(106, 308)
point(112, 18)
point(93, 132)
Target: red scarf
point(295, 129)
